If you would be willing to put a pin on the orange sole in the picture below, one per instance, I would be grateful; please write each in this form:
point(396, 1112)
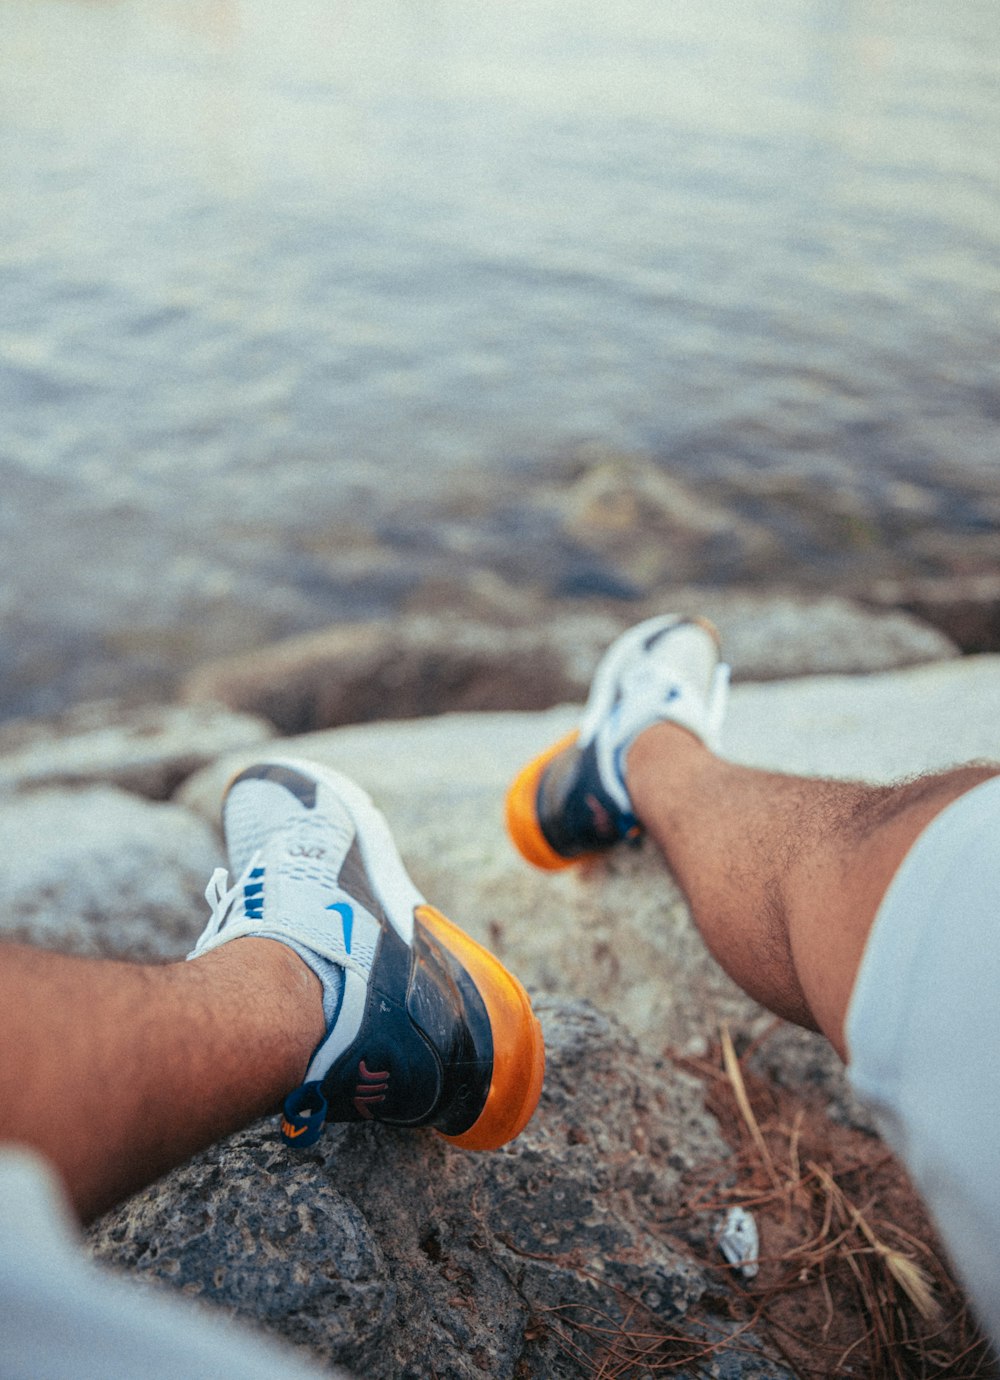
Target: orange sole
point(518, 1047)
point(522, 816)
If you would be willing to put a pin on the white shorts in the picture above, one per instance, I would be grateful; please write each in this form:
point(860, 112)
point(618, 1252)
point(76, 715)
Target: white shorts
point(63, 1318)
point(923, 1032)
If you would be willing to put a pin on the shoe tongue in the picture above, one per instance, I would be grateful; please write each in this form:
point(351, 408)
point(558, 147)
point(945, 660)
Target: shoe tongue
point(646, 702)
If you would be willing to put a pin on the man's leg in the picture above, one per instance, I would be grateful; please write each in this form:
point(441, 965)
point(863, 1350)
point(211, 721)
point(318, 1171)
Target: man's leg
point(116, 1072)
point(787, 877)
point(784, 874)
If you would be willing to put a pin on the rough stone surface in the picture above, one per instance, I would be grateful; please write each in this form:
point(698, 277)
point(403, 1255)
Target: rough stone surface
point(400, 1256)
point(97, 871)
point(149, 751)
point(966, 606)
point(769, 638)
point(356, 673)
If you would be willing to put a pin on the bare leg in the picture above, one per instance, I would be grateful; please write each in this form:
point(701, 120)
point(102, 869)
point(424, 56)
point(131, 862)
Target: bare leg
point(784, 874)
point(140, 1066)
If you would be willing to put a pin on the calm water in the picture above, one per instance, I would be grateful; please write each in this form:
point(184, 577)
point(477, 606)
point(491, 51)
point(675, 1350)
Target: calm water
point(302, 305)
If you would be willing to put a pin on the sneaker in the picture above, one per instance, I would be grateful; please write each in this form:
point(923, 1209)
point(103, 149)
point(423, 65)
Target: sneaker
point(572, 802)
point(424, 1026)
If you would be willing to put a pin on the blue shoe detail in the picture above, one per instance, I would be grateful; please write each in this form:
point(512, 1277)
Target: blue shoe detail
point(347, 917)
point(253, 895)
point(304, 1116)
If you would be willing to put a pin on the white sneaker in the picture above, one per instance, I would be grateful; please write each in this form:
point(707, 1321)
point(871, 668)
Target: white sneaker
point(572, 801)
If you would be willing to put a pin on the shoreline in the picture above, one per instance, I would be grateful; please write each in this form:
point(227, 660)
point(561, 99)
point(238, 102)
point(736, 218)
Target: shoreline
point(493, 647)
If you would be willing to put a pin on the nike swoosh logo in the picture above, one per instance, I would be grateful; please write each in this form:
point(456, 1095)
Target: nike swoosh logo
point(346, 914)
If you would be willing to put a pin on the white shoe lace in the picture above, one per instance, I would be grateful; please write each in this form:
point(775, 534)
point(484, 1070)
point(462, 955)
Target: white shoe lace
point(221, 898)
point(226, 922)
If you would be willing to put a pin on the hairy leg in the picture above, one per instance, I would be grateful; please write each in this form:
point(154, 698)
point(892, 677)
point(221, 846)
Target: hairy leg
point(116, 1072)
point(784, 874)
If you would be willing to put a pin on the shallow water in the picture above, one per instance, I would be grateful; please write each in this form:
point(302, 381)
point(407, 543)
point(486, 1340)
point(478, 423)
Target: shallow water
point(302, 306)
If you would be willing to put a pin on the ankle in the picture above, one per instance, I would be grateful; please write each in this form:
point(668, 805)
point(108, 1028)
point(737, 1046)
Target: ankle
point(662, 757)
point(277, 983)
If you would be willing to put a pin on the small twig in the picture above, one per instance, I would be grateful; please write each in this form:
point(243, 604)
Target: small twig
point(906, 1272)
point(735, 1075)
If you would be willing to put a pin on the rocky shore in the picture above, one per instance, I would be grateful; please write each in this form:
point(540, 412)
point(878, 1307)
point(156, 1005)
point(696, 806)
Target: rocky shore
point(589, 537)
point(394, 1255)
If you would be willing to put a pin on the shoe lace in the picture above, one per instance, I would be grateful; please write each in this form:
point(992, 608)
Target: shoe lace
point(228, 902)
point(222, 899)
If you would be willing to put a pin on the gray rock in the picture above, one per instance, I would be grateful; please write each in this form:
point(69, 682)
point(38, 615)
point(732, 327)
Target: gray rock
point(403, 1257)
point(429, 664)
point(468, 1266)
point(770, 637)
point(806, 1063)
point(967, 607)
point(357, 673)
point(97, 871)
point(149, 751)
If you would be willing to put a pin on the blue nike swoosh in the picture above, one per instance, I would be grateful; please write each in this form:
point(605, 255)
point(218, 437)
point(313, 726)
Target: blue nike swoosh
point(347, 917)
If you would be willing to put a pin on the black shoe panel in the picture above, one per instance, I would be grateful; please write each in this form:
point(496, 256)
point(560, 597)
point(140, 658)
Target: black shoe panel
point(424, 1054)
point(445, 1004)
point(575, 813)
point(390, 1072)
point(300, 785)
point(353, 877)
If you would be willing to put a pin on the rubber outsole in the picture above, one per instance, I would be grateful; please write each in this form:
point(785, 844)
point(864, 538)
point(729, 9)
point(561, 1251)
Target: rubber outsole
point(518, 1047)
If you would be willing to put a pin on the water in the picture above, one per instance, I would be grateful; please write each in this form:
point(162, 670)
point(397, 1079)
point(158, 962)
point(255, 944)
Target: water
point(305, 306)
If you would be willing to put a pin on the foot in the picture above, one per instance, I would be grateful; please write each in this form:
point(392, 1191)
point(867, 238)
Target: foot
point(424, 1027)
point(572, 802)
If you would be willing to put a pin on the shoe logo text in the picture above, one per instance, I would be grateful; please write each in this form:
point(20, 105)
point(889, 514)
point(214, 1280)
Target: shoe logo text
point(287, 1129)
point(602, 820)
point(371, 1089)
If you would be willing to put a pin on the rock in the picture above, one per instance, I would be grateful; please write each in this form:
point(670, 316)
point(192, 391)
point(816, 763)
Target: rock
point(647, 527)
point(805, 1062)
point(772, 638)
point(396, 1254)
point(357, 673)
point(97, 871)
point(624, 495)
point(149, 751)
point(430, 664)
point(874, 728)
point(967, 607)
